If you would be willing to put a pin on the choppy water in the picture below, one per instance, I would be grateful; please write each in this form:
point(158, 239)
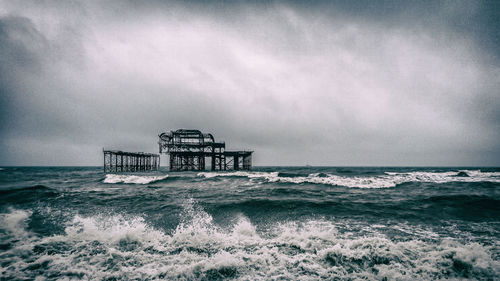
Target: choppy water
point(269, 224)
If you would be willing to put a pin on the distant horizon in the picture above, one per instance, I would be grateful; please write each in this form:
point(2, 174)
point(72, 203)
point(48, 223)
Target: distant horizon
point(275, 166)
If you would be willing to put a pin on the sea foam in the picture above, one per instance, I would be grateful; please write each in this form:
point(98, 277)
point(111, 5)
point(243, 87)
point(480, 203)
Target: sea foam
point(137, 179)
point(387, 180)
point(126, 247)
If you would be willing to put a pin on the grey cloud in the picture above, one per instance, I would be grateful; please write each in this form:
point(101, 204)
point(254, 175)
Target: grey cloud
point(325, 84)
point(21, 49)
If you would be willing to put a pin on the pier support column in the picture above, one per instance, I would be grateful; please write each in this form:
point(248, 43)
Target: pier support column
point(236, 163)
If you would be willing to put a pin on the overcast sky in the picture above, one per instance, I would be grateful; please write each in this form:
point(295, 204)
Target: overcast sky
point(343, 83)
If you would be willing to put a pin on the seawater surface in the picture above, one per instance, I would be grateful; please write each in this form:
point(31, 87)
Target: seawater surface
point(272, 223)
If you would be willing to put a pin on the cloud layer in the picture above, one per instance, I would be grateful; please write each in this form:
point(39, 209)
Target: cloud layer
point(320, 85)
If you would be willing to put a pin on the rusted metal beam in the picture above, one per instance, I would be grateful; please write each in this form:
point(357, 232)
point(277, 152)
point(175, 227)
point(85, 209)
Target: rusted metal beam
point(187, 150)
point(130, 161)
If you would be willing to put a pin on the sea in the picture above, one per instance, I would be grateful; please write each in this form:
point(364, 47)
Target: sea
point(270, 223)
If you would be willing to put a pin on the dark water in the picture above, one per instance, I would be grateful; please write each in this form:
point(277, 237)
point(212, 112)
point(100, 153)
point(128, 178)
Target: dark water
point(269, 224)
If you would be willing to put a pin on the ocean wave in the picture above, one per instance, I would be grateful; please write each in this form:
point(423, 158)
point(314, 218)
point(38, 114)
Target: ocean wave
point(25, 194)
point(291, 175)
point(126, 247)
point(450, 176)
point(482, 204)
point(239, 174)
point(114, 178)
point(387, 180)
point(25, 188)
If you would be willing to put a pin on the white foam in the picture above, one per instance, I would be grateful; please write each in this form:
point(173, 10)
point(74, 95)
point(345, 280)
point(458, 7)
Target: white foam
point(443, 177)
point(114, 178)
point(15, 221)
point(269, 175)
point(389, 179)
point(480, 174)
point(103, 247)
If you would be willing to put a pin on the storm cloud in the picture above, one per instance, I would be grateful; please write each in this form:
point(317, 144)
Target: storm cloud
point(319, 84)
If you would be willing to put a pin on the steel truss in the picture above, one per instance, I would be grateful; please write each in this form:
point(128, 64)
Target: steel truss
point(188, 150)
point(120, 161)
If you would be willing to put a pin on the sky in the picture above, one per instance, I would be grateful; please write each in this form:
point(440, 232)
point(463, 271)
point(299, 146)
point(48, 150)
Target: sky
point(332, 83)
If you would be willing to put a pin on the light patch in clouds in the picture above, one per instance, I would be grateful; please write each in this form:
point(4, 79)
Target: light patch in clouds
point(296, 85)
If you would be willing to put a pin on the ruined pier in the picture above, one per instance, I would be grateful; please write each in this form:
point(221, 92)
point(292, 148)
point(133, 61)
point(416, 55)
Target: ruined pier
point(121, 161)
point(191, 150)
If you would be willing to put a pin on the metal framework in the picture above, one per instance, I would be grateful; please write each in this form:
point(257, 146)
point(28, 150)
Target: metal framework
point(120, 161)
point(188, 150)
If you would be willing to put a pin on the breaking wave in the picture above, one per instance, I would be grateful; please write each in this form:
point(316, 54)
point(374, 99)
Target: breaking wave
point(387, 180)
point(104, 247)
point(113, 178)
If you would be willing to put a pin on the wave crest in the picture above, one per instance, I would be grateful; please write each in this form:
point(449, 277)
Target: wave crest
point(387, 180)
point(121, 247)
point(137, 179)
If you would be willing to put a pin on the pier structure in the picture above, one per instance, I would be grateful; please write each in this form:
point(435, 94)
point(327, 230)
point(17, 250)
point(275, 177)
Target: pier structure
point(121, 161)
point(190, 150)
